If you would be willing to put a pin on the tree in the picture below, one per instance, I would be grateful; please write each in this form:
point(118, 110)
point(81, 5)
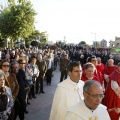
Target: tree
point(17, 21)
point(13, 1)
point(1, 41)
point(43, 37)
point(36, 35)
point(82, 43)
point(34, 43)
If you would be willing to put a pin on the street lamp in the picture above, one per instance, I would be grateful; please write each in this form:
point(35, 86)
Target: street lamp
point(95, 39)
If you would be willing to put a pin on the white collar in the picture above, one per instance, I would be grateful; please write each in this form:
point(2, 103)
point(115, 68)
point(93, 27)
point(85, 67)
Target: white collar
point(74, 83)
point(98, 64)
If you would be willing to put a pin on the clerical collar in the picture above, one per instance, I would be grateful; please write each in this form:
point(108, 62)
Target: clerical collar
point(74, 83)
point(90, 78)
point(99, 64)
point(88, 107)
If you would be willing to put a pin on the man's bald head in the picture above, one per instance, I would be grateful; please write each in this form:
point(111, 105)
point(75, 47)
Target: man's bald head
point(110, 62)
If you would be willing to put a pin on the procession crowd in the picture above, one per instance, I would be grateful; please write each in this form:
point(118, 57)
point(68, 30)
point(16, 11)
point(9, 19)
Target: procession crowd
point(23, 72)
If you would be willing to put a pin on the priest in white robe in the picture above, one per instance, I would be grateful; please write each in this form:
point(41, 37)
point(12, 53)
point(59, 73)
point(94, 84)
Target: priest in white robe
point(68, 92)
point(89, 108)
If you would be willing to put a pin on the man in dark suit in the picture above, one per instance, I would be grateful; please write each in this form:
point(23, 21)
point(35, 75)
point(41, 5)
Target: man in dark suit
point(22, 93)
point(42, 66)
point(63, 67)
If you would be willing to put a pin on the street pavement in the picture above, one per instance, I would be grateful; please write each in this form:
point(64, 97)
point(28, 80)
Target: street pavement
point(39, 109)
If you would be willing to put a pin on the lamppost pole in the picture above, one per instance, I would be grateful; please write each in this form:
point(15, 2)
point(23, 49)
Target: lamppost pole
point(95, 39)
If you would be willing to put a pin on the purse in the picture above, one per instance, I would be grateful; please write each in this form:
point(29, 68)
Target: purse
point(30, 82)
point(3, 101)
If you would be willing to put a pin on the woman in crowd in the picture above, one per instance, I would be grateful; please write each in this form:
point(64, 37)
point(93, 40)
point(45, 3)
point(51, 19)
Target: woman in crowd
point(6, 100)
point(10, 81)
point(35, 72)
point(28, 75)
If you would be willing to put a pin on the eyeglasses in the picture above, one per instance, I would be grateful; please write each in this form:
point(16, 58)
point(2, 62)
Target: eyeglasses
point(22, 63)
point(5, 65)
point(77, 71)
point(94, 60)
point(101, 96)
point(2, 79)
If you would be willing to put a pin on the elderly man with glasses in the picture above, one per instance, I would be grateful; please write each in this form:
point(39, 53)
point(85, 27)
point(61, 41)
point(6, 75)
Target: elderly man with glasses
point(90, 108)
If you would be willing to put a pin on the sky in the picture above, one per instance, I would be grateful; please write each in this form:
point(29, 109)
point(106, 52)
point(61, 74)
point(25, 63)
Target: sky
point(78, 20)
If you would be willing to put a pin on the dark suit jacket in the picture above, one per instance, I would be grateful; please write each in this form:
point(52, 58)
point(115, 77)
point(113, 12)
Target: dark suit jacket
point(42, 66)
point(64, 64)
point(21, 81)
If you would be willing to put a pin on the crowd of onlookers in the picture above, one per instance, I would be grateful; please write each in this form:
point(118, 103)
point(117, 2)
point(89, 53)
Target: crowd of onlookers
point(24, 71)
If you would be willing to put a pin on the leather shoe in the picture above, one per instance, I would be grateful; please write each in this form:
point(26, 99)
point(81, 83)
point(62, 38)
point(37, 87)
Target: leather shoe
point(34, 96)
point(42, 92)
point(28, 103)
point(37, 92)
point(26, 112)
point(30, 97)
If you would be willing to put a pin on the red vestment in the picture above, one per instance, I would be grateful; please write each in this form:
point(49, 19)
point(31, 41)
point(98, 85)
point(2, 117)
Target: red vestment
point(99, 76)
point(100, 67)
point(108, 70)
point(111, 100)
point(84, 78)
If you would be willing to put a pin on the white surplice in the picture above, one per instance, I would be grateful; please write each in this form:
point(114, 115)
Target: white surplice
point(67, 94)
point(79, 111)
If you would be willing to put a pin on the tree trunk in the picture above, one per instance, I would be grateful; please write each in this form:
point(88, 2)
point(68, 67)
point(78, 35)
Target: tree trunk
point(11, 43)
point(6, 43)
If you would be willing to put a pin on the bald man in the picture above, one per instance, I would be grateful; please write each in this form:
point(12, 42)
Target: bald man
point(108, 70)
point(100, 66)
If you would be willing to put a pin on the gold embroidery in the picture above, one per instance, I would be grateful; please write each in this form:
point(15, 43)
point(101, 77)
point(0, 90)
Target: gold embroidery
point(90, 118)
point(96, 117)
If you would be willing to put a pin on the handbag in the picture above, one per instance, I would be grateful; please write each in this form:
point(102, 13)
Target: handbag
point(3, 101)
point(30, 82)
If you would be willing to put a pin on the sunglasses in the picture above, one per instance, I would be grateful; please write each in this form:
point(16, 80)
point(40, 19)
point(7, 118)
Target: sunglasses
point(22, 63)
point(5, 65)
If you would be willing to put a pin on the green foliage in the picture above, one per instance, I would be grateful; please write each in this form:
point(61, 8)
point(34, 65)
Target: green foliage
point(82, 43)
point(17, 21)
point(13, 1)
point(115, 50)
point(1, 42)
point(41, 37)
point(34, 43)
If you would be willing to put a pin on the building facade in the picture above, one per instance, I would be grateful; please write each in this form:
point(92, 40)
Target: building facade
point(116, 43)
point(100, 44)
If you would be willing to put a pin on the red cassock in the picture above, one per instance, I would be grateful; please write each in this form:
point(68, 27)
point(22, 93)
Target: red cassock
point(111, 100)
point(84, 78)
point(100, 67)
point(108, 70)
point(99, 76)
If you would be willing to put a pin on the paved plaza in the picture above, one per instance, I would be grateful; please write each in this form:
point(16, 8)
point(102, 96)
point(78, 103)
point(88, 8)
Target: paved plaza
point(41, 106)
